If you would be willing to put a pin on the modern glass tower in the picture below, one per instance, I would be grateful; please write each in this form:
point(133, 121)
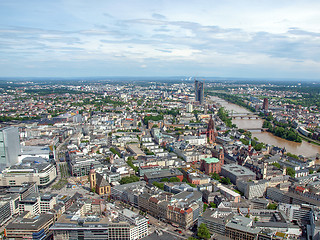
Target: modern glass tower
point(199, 91)
point(9, 147)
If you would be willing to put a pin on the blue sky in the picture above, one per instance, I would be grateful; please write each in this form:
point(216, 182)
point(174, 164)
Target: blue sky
point(230, 38)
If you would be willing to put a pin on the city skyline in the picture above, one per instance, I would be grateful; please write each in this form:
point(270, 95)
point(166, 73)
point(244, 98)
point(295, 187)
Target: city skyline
point(264, 39)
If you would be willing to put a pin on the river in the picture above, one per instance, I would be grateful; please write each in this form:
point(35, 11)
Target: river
point(304, 148)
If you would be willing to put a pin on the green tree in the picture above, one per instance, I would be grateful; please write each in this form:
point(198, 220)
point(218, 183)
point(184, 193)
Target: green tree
point(272, 206)
point(130, 179)
point(291, 172)
point(226, 181)
point(205, 207)
point(158, 185)
point(311, 171)
point(215, 176)
point(276, 165)
point(164, 180)
point(174, 179)
point(203, 231)
point(213, 205)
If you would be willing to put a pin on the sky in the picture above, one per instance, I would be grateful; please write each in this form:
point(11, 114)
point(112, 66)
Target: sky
point(229, 38)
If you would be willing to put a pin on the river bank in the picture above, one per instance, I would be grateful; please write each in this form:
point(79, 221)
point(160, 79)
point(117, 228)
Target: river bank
point(304, 148)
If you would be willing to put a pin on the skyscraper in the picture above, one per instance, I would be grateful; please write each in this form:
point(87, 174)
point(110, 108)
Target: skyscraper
point(199, 91)
point(9, 147)
point(265, 104)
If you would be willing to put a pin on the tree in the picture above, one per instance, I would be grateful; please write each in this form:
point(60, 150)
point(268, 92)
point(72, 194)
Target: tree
point(272, 206)
point(226, 181)
point(276, 165)
point(205, 207)
point(158, 185)
point(203, 231)
point(130, 179)
point(174, 179)
point(311, 171)
point(215, 176)
point(213, 205)
point(192, 238)
point(165, 180)
point(291, 172)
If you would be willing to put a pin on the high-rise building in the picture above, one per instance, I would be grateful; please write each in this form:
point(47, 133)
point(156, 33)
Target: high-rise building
point(265, 104)
point(199, 91)
point(9, 147)
point(189, 107)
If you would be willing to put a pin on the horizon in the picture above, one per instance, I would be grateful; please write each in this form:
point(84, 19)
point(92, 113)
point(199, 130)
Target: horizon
point(230, 39)
point(159, 78)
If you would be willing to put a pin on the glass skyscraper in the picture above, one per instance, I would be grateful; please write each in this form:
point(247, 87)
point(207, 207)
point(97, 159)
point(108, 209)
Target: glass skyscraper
point(9, 147)
point(199, 91)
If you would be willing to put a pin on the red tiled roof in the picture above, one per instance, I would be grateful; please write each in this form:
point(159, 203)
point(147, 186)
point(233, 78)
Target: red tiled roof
point(300, 189)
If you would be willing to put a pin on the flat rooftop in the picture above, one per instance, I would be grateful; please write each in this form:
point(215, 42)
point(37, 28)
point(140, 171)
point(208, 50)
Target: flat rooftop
point(237, 170)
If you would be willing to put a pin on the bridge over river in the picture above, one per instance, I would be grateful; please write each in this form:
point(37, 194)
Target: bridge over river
point(249, 115)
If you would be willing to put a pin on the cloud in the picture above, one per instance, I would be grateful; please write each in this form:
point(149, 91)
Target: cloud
point(222, 34)
point(158, 16)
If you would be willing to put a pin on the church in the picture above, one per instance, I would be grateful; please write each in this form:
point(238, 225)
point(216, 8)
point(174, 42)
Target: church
point(97, 183)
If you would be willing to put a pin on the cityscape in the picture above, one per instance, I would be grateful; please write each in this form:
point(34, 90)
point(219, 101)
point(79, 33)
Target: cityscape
point(159, 120)
point(180, 159)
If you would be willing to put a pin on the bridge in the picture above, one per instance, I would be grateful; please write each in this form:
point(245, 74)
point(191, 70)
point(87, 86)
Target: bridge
point(256, 129)
point(244, 115)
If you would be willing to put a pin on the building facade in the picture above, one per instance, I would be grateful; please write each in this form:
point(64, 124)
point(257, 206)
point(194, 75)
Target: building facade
point(199, 91)
point(9, 147)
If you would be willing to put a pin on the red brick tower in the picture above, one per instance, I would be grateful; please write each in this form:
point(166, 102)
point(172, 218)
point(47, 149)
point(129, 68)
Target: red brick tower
point(211, 131)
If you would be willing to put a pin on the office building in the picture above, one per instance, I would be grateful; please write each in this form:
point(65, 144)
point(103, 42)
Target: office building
point(241, 228)
point(236, 172)
point(199, 91)
point(265, 105)
point(151, 177)
point(189, 107)
point(9, 205)
point(9, 147)
point(215, 220)
point(27, 226)
point(29, 170)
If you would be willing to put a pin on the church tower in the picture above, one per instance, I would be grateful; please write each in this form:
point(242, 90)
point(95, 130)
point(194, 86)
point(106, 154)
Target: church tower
point(211, 131)
point(92, 178)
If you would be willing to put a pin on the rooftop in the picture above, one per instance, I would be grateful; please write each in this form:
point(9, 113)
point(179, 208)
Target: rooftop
point(211, 160)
